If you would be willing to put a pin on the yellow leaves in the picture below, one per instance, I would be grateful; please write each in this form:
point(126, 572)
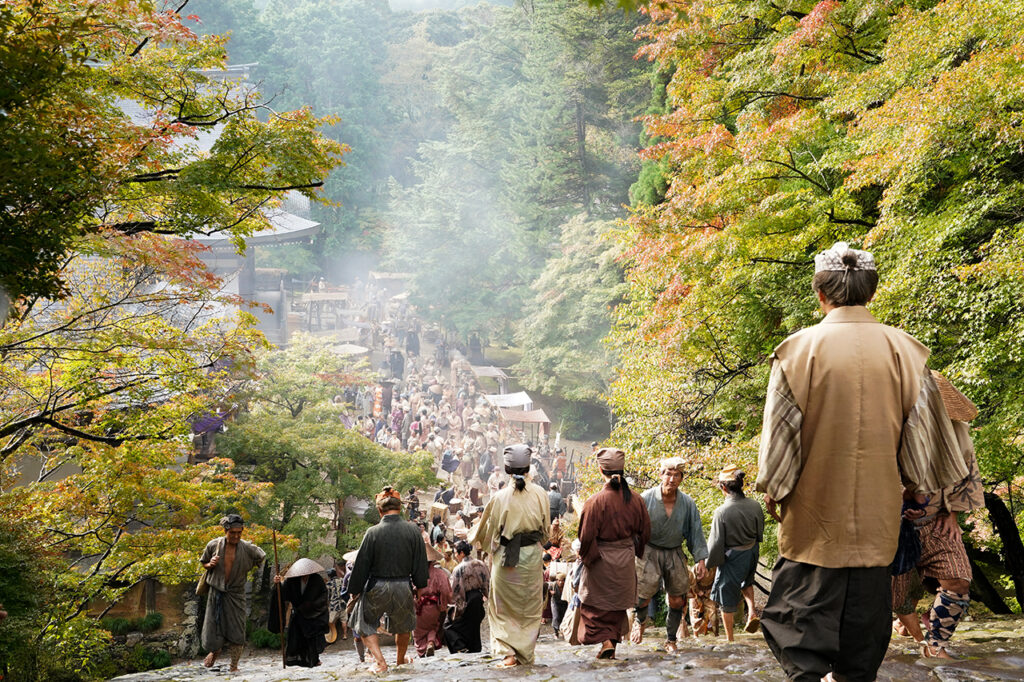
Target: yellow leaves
point(809, 30)
point(960, 111)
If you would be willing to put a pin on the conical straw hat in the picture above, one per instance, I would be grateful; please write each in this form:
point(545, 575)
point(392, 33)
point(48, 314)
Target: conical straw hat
point(304, 567)
point(432, 554)
point(958, 406)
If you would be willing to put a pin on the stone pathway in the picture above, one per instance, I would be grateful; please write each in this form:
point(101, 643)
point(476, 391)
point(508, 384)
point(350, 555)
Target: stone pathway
point(993, 650)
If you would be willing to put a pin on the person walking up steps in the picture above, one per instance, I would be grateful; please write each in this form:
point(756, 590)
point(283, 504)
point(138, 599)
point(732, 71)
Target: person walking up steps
point(512, 527)
point(851, 409)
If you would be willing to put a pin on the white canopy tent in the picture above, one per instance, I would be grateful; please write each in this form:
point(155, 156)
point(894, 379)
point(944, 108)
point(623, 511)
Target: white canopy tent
point(516, 400)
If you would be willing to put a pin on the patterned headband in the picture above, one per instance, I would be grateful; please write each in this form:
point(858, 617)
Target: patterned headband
point(387, 493)
point(831, 260)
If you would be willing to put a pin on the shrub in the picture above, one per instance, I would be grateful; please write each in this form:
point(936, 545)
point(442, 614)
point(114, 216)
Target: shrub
point(151, 622)
point(142, 658)
point(159, 659)
point(263, 638)
point(117, 626)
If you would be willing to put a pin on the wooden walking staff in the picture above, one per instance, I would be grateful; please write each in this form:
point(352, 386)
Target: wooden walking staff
point(280, 610)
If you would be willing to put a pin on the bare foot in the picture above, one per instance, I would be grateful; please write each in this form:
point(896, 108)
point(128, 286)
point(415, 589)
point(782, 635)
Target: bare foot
point(210, 659)
point(636, 635)
point(508, 662)
point(379, 668)
point(670, 647)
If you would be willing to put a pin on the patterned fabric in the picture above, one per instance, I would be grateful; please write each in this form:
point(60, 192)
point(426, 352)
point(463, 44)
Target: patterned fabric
point(942, 558)
point(336, 598)
point(779, 459)
point(929, 454)
point(832, 259)
point(469, 575)
point(947, 610)
point(703, 610)
point(969, 493)
point(907, 590)
point(929, 457)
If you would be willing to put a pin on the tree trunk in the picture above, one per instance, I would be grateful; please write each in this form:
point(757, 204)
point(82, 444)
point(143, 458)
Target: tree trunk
point(1013, 547)
point(581, 150)
point(982, 589)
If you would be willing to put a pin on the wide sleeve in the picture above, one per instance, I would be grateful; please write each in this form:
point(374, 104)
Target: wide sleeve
point(779, 457)
point(969, 493)
point(929, 455)
point(644, 536)
point(209, 551)
point(420, 566)
point(361, 567)
point(445, 592)
point(274, 614)
point(256, 555)
point(482, 534)
point(545, 523)
point(695, 533)
point(588, 531)
point(716, 542)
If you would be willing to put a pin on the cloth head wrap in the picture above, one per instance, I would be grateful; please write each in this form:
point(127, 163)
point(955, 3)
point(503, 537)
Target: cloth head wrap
point(831, 260)
point(387, 499)
point(730, 473)
point(517, 456)
point(671, 464)
point(611, 459)
point(232, 521)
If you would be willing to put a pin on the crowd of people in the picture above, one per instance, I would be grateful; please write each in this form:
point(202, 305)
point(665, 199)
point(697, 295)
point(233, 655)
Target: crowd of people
point(865, 461)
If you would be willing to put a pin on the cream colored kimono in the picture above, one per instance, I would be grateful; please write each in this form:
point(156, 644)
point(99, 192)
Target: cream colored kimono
point(851, 411)
point(516, 597)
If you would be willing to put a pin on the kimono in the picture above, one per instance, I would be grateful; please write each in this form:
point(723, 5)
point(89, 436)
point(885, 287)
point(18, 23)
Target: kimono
point(224, 622)
point(881, 421)
point(613, 534)
point(737, 529)
point(308, 622)
point(512, 527)
point(431, 605)
point(852, 416)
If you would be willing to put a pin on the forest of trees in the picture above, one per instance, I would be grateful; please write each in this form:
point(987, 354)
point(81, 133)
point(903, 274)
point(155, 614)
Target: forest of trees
point(631, 196)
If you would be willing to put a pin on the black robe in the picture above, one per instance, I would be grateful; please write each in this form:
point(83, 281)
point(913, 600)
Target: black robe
point(309, 619)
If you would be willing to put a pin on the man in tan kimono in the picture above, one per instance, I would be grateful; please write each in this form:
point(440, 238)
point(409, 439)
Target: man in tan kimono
point(512, 527)
point(227, 561)
point(851, 410)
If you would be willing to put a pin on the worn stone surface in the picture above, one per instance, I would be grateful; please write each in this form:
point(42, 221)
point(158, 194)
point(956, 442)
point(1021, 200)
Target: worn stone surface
point(992, 650)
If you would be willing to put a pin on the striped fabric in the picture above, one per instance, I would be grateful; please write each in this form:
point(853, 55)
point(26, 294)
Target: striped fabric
point(929, 455)
point(779, 458)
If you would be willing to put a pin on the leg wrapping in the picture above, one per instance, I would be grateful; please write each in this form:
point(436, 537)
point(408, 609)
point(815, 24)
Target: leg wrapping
point(675, 616)
point(947, 610)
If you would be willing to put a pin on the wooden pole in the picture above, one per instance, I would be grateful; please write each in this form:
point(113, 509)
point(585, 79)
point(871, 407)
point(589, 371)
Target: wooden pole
point(280, 609)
